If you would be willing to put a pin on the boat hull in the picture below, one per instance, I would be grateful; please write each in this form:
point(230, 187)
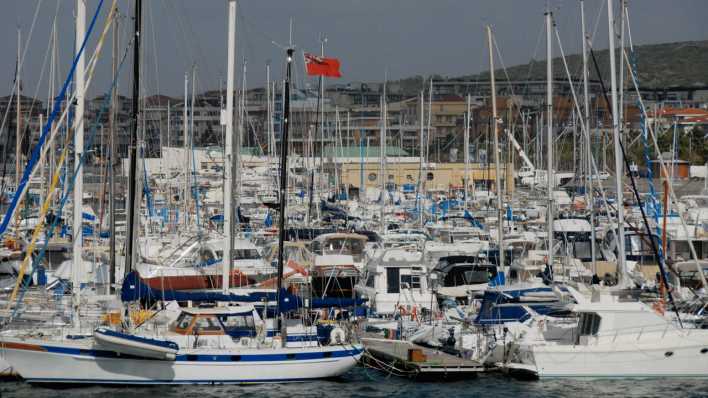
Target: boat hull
point(39, 362)
point(631, 360)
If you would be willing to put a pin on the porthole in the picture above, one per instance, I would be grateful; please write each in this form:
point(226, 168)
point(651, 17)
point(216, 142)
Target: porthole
point(668, 353)
point(430, 176)
point(372, 177)
point(705, 350)
point(390, 177)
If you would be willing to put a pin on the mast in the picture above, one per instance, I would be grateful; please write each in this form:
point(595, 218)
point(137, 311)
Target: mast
point(619, 170)
point(620, 108)
point(169, 126)
point(132, 173)
point(111, 155)
point(50, 100)
point(283, 184)
point(193, 189)
point(588, 142)
point(320, 102)
point(269, 115)
point(421, 159)
point(466, 146)
point(242, 120)
point(18, 111)
point(77, 227)
point(382, 159)
point(185, 132)
point(497, 177)
point(550, 178)
point(228, 158)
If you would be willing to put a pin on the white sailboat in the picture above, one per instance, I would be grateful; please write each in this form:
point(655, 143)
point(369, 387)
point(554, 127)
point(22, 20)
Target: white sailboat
point(216, 345)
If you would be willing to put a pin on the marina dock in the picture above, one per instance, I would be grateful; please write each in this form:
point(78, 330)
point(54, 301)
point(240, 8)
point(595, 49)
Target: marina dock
point(430, 363)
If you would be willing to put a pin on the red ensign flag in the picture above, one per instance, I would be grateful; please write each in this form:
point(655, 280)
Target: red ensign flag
point(319, 66)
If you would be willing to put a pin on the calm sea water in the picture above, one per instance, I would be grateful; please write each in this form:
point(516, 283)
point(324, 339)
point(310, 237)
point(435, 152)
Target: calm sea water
point(368, 383)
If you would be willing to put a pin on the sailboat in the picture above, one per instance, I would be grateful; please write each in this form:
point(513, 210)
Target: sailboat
point(215, 345)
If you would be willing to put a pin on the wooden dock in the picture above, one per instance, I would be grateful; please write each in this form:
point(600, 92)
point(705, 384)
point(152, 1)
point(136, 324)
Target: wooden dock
point(435, 364)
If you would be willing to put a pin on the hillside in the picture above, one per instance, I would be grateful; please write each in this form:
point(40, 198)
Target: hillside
point(681, 64)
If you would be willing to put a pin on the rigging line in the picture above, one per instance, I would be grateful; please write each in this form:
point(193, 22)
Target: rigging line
point(20, 63)
point(618, 174)
point(582, 126)
point(41, 73)
point(55, 178)
point(66, 194)
point(154, 47)
point(199, 50)
point(29, 168)
point(665, 172)
point(181, 36)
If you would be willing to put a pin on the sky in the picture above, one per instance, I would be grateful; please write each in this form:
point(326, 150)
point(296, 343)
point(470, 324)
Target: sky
point(373, 39)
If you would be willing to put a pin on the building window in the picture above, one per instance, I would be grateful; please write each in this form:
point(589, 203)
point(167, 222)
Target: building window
point(372, 176)
point(430, 177)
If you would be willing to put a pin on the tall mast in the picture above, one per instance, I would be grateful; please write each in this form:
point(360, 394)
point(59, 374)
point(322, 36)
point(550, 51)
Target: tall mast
point(466, 147)
point(550, 177)
point(52, 83)
point(421, 159)
point(132, 173)
point(619, 170)
point(193, 190)
point(228, 158)
point(323, 40)
point(169, 127)
point(185, 132)
point(283, 184)
point(620, 106)
point(112, 154)
point(242, 120)
point(77, 226)
point(588, 142)
point(382, 158)
point(18, 111)
point(497, 177)
point(269, 115)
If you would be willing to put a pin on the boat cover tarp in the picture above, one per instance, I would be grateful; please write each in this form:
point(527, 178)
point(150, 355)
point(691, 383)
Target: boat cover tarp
point(135, 289)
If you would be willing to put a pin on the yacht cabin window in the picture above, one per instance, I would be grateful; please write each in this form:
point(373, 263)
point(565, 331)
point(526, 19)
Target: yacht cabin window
point(246, 254)
point(207, 324)
point(589, 324)
point(184, 321)
point(410, 281)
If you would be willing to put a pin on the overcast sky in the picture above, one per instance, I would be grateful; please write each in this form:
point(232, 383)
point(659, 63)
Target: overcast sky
point(372, 38)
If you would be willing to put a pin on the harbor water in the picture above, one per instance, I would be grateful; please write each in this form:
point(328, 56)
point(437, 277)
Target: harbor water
point(362, 382)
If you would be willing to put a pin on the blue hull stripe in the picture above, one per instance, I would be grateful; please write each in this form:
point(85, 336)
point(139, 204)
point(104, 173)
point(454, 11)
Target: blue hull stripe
point(213, 358)
point(166, 381)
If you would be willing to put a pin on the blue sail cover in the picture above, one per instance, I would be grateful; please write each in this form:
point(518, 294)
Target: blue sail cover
point(135, 289)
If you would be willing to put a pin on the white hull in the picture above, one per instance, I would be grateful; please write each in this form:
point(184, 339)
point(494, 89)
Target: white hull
point(622, 360)
point(42, 362)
